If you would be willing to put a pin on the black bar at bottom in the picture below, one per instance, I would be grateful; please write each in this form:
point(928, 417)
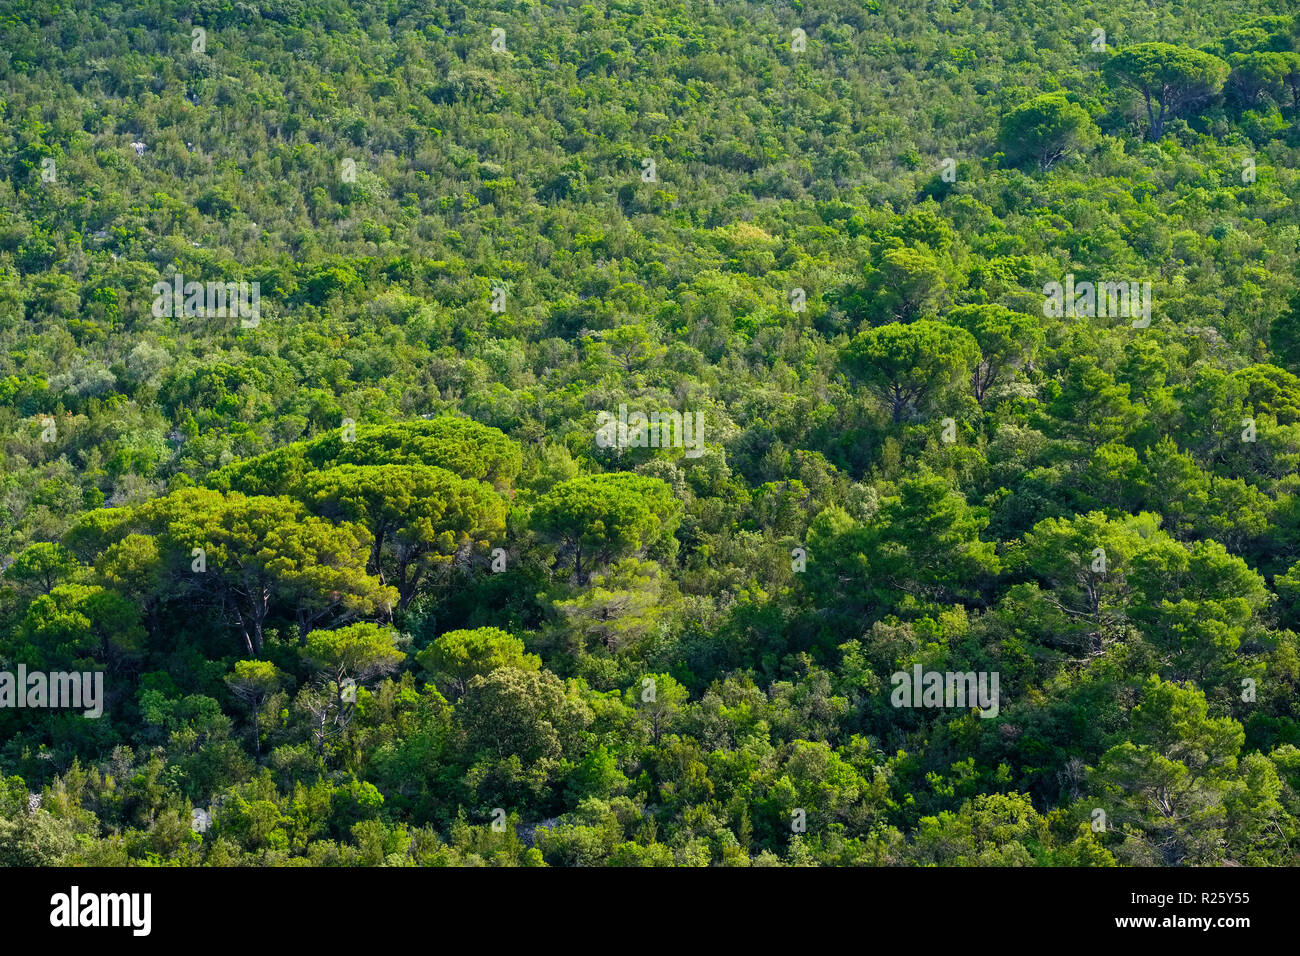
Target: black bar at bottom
point(345, 906)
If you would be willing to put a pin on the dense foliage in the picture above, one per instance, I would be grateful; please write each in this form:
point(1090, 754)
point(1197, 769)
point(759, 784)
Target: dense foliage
point(363, 584)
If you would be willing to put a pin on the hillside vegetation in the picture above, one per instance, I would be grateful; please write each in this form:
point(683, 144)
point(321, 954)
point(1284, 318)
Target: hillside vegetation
point(384, 572)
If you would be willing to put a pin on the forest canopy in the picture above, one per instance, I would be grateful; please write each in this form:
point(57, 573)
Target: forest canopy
point(312, 313)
